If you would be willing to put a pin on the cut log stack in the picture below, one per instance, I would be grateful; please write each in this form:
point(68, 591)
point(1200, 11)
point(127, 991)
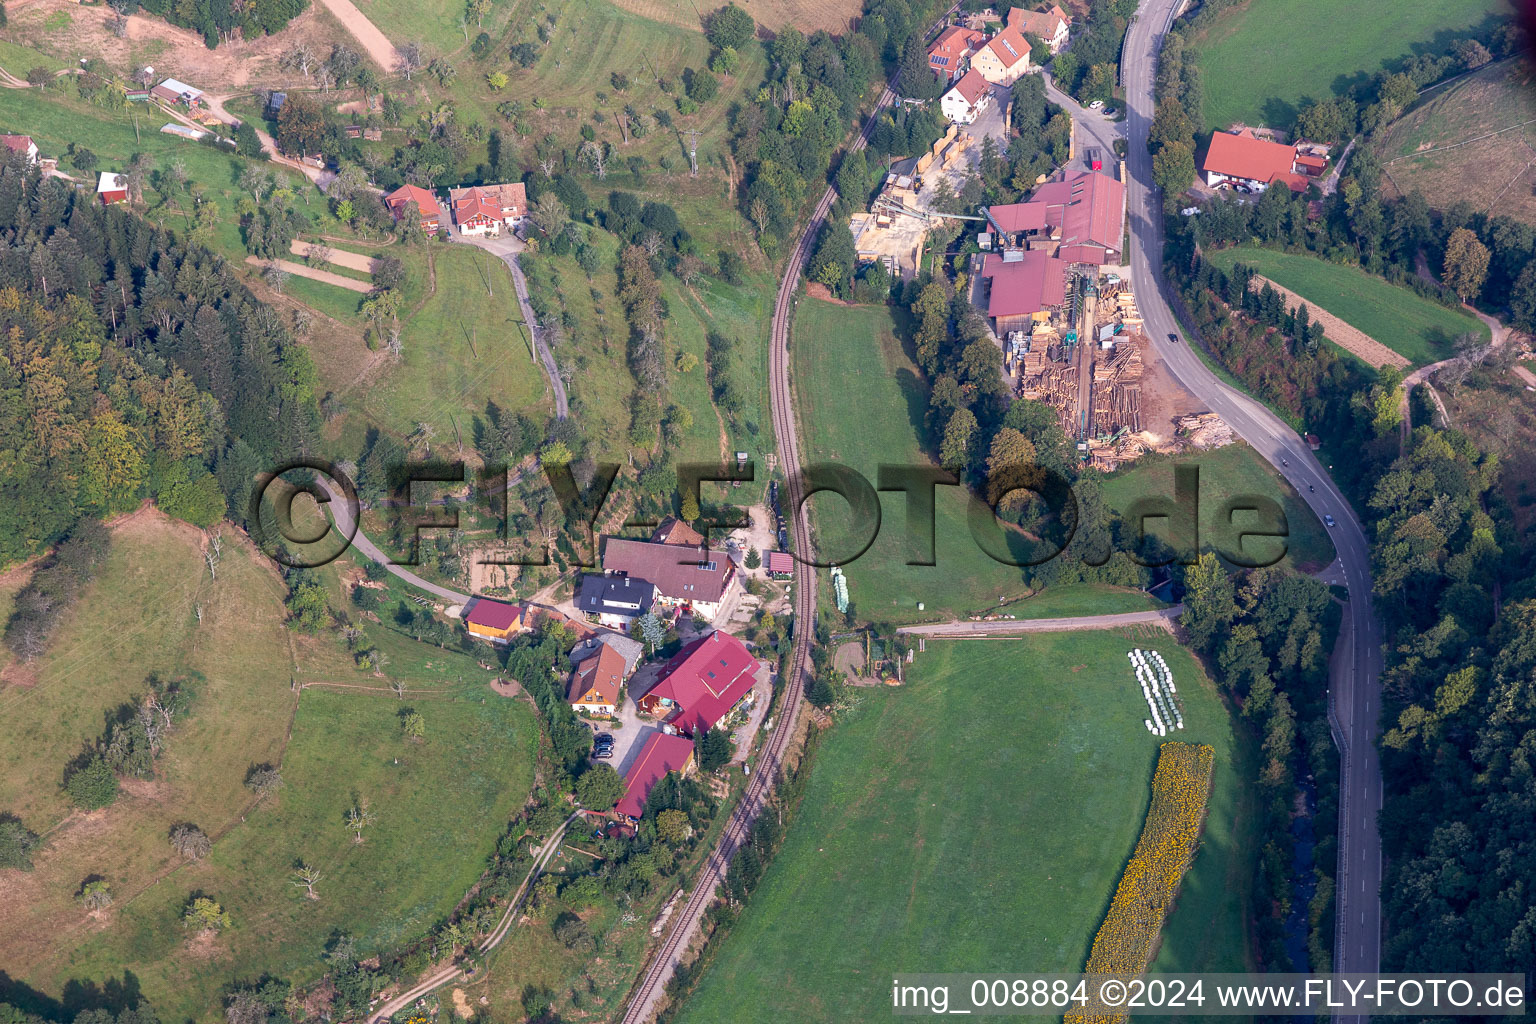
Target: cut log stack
point(1054, 384)
point(1117, 391)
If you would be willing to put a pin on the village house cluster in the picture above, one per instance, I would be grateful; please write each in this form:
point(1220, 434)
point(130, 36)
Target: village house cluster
point(675, 575)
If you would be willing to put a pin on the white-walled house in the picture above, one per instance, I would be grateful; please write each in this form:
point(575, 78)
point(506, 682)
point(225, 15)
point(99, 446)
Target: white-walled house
point(969, 97)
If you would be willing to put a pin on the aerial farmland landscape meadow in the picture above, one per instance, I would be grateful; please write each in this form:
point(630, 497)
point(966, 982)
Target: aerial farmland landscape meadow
point(649, 512)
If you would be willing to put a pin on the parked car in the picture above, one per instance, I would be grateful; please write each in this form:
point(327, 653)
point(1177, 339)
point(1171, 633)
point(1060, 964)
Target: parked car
point(602, 754)
point(1329, 521)
point(604, 738)
point(1109, 111)
point(1096, 105)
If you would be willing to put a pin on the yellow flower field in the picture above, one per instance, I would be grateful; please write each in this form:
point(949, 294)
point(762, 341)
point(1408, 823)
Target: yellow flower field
point(1147, 889)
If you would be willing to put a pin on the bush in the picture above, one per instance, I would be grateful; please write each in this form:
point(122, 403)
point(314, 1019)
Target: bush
point(702, 86)
point(91, 785)
point(16, 843)
point(599, 787)
point(733, 269)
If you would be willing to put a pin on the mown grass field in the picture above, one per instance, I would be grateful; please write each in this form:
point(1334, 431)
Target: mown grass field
point(859, 396)
point(1413, 326)
point(978, 819)
point(597, 347)
point(440, 807)
point(1235, 471)
point(463, 346)
point(1477, 124)
point(1263, 60)
point(1082, 599)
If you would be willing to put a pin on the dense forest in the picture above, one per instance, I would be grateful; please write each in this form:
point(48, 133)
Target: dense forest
point(135, 366)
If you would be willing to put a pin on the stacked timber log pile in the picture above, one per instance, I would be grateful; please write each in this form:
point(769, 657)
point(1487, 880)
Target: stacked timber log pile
point(1054, 384)
point(1117, 391)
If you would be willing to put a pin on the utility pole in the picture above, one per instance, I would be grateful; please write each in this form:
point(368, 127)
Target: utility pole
point(693, 152)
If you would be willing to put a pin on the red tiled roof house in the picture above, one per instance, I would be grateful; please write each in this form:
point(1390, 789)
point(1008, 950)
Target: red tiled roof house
point(950, 54)
point(1250, 162)
point(486, 209)
point(967, 99)
point(660, 755)
point(701, 684)
point(426, 204)
point(492, 620)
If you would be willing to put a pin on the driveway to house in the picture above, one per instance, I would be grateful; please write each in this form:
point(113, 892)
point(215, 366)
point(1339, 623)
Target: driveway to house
point(341, 514)
point(762, 696)
point(215, 105)
point(506, 248)
point(633, 728)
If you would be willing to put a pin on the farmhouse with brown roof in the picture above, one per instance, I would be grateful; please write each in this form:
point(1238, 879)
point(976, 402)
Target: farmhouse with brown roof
point(1004, 58)
point(426, 204)
point(1051, 25)
point(693, 579)
point(595, 681)
point(1249, 163)
point(22, 144)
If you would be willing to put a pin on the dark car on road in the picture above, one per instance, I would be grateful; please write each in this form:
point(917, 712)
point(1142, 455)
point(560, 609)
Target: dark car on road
point(1173, 338)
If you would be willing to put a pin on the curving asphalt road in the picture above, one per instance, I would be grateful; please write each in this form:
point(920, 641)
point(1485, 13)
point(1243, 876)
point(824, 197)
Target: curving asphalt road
point(1355, 692)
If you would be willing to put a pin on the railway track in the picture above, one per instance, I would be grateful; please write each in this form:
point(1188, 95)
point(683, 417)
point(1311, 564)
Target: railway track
point(643, 1000)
